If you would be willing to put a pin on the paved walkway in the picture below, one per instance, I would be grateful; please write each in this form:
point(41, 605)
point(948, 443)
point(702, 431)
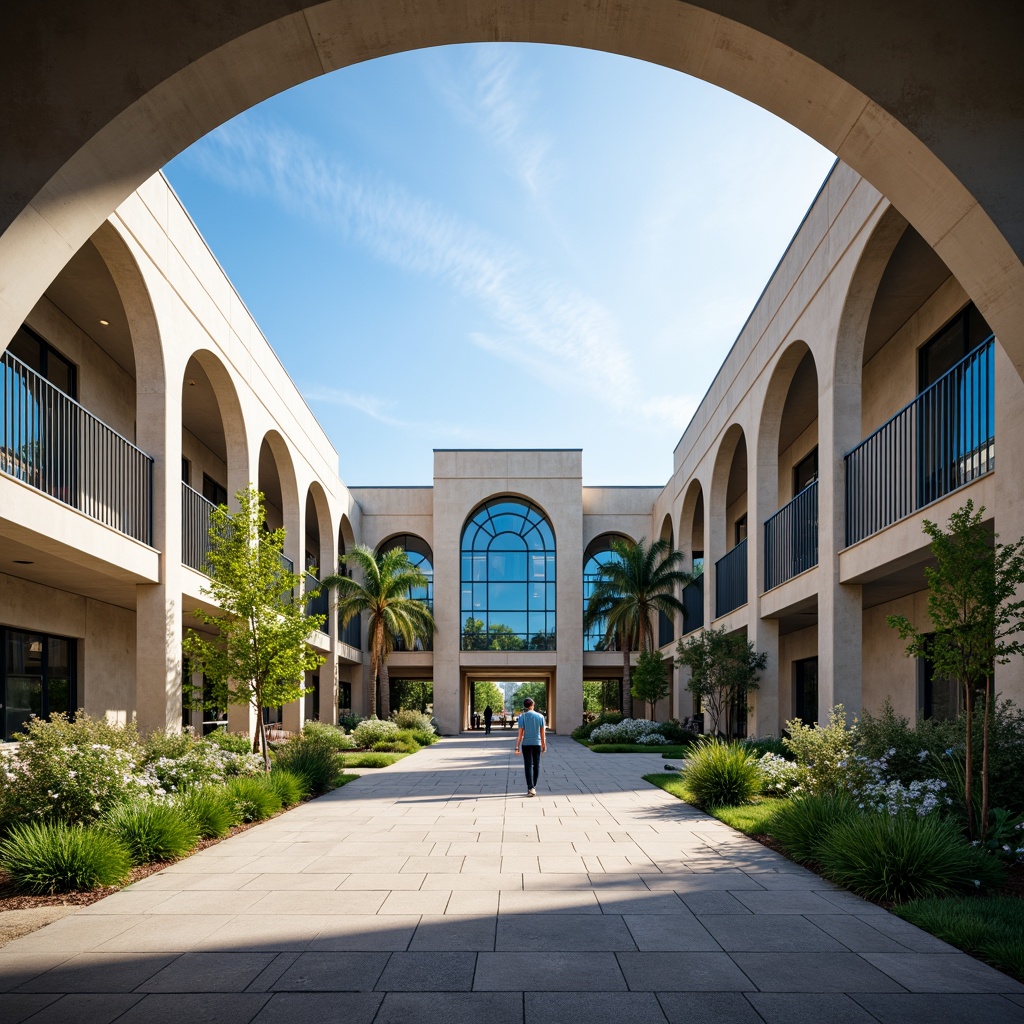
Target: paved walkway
point(435, 891)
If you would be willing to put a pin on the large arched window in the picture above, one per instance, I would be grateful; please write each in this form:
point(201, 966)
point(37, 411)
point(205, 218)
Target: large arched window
point(420, 555)
point(599, 552)
point(508, 578)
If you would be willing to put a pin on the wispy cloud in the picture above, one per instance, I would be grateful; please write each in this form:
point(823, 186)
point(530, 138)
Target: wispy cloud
point(379, 409)
point(554, 330)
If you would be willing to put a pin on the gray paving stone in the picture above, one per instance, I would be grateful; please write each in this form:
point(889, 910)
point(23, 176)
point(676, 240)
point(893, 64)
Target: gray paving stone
point(548, 972)
point(703, 903)
point(682, 972)
point(209, 972)
point(670, 932)
point(824, 972)
point(428, 972)
point(767, 932)
point(319, 1008)
point(808, 1008)
point(99, 972)
point(856, 933)
point(197, 1008)
point(593, 1008)
point(708, 1008)
point(16, 1007)
point(618, 902)
point(562, 933)
point(787, 902)
point(454, 933)
point(947, 1009)
point(86, 1008)
point(332, 972)
point(947, 972)
point(450, 1008)
point(365, 933)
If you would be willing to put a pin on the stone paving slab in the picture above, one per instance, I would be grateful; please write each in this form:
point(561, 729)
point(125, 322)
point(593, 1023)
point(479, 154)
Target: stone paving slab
point(436, 890)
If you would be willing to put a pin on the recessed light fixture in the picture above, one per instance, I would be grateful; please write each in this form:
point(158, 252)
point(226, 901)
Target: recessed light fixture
point(191, 383)
point(23, 561)
point(106, 323)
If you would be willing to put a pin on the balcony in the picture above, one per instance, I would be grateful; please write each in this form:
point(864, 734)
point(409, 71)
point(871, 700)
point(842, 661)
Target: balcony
point(943, 440)
point(48, 441)
point(791, 538)
point(693, 602)
point(319, 605)
point(195, 528)
point(731, 580)
point(352, 633)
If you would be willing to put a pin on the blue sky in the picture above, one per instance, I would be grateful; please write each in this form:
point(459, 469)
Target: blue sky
point(501, 245)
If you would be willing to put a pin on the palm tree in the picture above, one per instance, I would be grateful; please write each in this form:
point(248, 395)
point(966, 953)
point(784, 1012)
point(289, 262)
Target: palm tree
point(640, 581)
point(388, 580)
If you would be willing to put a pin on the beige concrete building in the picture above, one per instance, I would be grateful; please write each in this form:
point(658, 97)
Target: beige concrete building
point(864, 393)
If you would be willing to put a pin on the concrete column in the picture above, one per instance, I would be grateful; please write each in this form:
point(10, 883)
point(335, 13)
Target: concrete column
point(329, 669)
point(762, 501)
point(293, 714)
point(840, 607)
point(1009, 510)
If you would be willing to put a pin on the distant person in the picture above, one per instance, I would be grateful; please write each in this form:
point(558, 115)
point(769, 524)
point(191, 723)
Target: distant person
point(488, 715)
point(532, 740)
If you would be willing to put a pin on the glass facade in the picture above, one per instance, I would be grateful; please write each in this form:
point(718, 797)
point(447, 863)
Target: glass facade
point(598, 553)
point(508, 578)
point(38, 673)
point(419, 554)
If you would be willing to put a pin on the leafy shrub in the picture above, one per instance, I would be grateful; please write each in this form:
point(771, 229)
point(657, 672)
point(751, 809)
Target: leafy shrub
point(825, 751)
point(584, 731)
point(235, 742)
point(371, 760)
point(802, 823)
point(329, 734)
point(410, 719)
point(395, 747)
point(312, 759)
point(151, 831)
point(170, 745)
point(59, 730)
point(423, 739)
point(210, 809)
point(372, 731)
point(779, 777)
point(629, 730)
point(673, 732)
point(46, 858)
point(348, 721)
point(721, 774)
point(289, 786)
point(254, 797)
point(761, 745)
point(199, 765)
point(903, 856)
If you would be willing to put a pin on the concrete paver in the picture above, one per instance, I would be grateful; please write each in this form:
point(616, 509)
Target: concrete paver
point(437, 890)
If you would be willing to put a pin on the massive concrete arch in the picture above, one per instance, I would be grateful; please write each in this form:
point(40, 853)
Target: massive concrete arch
point(98, 97)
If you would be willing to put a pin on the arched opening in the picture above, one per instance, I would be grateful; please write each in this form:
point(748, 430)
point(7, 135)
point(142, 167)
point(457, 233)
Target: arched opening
point(666, 627)
point(729, 522)
point(599, 552)
point(692, 537)
point(318, 549)
point(276, 482)
point(508, 578)
point(419, 554)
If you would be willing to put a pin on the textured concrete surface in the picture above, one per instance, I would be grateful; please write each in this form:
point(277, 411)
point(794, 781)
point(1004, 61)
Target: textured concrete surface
point(437, 891)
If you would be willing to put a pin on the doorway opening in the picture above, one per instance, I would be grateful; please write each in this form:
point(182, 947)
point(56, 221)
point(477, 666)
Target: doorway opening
point(504, 695)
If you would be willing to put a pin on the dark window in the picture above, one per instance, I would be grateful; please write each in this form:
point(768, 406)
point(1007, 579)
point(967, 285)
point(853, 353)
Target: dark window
point(598, 553)
point(419, 554)
point(344, 697)
point(213, 491)
point(508, 578)
point(963, 334)
point(741, 528)
point(938, 696)
point(38, 354)
point(186, 471)
point(38, 674)
point(805, 693)
point(805, 472)
point(698, 563)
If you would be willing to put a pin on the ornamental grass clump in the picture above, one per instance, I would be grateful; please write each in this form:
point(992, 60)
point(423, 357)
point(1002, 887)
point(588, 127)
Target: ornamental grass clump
point(43, 858)
point(254, 797)
point(334, 737)
point(721, 774)
point(152, 831)
point(410, 719)
point(210, 809)
point(894, 858)
point(373, 730)
point(423, 739)
point(289, 786)
point(396, 746)
point(801, 824)
point(235, 742)
point(312, 759)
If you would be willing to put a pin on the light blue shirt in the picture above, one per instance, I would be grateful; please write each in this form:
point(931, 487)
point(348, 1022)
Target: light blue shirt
point(531, 722)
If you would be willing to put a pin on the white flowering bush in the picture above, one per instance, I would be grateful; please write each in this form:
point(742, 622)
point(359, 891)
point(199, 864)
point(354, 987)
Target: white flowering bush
point(374, 730)
point(629, 730)
point(204, 764)
point(780, 777)
point(408, 718)
point(874, 790)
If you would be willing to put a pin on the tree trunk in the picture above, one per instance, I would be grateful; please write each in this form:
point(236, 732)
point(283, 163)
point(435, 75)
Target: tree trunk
point(263, 741)
point(969, 764)
point(627, 697)
point(983, 824)
point(385, 691)
point(375, 648)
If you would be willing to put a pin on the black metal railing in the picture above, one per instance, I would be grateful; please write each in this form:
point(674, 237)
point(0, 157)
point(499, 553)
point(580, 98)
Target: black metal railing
point(666, 629)
point(48, 441)
point(693, 602)
point(195, 527)
point(321, 604)
point(731, 580)
point(943, 439)
point(351, 634)
point(791, 538)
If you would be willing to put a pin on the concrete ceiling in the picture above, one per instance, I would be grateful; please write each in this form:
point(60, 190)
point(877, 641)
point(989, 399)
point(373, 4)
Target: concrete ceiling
point(801, 408)
point(201, 412)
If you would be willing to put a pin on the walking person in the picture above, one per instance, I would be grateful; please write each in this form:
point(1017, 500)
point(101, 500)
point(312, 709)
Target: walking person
point(532, 740)
point(488, 715)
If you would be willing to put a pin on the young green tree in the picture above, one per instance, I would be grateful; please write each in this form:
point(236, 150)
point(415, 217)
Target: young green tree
point(632, 587)
point(593, 696)
point(975, 614)
point(650, 681)
point(485, 693)
point(538, 691)
point(383, 594)
point(412, 695)
point(259, 654)
point(723, 671)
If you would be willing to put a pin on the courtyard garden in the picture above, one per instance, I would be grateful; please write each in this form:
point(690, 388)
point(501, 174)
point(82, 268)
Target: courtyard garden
point(884, 809)
point(87, 806)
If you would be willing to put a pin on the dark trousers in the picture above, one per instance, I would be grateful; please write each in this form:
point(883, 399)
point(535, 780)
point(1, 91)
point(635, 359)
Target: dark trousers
point(531, 763)
point(487, 726)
